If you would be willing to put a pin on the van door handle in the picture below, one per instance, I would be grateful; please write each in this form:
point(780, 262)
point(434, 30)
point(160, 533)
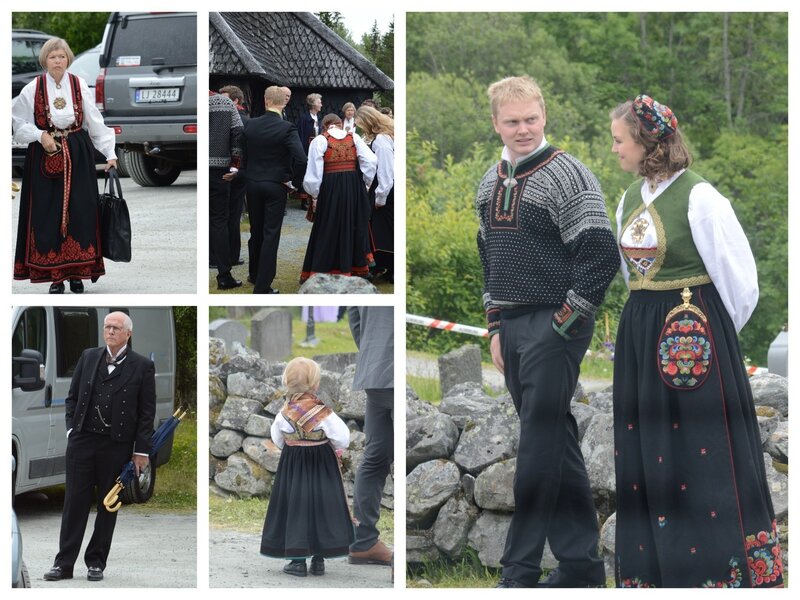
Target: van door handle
point(48, 396)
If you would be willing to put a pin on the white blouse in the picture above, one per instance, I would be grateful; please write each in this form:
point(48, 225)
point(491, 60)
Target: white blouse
point(349, 124)
point(316, 161)
point(383, 146)
point(720, 241)
point(335, 429)
point(26, 131)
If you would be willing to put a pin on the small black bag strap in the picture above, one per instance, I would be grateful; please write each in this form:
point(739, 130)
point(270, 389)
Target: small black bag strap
point(113, 176)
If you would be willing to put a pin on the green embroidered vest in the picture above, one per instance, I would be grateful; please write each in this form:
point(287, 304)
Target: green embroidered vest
point(300, 435)
point(676, 263)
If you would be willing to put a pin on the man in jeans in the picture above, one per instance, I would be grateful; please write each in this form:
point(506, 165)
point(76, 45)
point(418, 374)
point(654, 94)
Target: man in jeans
point(548, 256)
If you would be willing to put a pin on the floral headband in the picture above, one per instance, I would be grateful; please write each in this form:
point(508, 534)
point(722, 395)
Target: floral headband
point(657, 119)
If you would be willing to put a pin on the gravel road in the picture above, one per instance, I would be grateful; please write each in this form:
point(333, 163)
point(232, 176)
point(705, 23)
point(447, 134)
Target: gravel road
point(164, 242)
point(150, 550)
point(235, 562)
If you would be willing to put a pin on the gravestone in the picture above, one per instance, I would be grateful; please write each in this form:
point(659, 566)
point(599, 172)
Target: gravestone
point(228, 330)
point(271, 333)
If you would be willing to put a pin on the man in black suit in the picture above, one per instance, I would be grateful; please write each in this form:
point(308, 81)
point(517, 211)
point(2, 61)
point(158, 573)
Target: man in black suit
point(239, 183)
point(275, 162)
point(110, 411)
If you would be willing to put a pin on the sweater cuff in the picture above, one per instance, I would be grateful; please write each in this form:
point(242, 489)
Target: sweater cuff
point(580, 304)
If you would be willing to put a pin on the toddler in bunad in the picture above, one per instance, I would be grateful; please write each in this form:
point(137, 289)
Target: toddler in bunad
point(308, 515)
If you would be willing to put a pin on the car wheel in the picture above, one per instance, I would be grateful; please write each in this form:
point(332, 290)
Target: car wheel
point(122, 165)
point(24, 578)
point(140, 489)
point(150, 172)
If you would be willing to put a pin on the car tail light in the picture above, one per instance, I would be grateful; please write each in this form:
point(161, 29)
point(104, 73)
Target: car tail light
point(100, 90)
point(117, 129)
point(190, 128)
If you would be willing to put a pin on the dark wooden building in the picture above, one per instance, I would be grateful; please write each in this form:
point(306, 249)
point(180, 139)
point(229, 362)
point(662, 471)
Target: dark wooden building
point(256, 50)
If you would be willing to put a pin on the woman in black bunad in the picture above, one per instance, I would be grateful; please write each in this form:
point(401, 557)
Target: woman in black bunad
point(308, 515)
point(693, 506)
point(379, 129)
point(340, 169)
point(58, 234)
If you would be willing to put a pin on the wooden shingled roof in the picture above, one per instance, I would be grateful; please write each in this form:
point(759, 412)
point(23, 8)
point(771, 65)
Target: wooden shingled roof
point(292, 49)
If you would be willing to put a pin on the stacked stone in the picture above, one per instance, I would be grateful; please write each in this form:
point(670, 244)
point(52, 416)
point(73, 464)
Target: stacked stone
point(461, 458)
point(245, 396)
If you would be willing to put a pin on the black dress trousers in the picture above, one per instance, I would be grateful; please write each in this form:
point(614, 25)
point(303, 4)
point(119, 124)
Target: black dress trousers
point(552, 497)
point(266, 203)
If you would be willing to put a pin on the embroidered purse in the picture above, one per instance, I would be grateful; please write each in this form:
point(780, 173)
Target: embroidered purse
point(684, 347)
point(53, 162)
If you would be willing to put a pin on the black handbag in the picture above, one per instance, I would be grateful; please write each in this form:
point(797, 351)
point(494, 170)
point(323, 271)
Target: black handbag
point(115, 221)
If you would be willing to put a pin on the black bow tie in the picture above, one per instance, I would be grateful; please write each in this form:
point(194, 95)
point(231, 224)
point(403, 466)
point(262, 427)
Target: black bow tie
point(115, 361)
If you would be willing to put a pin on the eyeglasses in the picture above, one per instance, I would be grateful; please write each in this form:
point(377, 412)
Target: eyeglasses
point(113, 328)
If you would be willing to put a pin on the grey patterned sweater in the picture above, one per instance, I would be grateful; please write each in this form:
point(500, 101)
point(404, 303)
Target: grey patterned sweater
point(225, 133)
point(546, 240)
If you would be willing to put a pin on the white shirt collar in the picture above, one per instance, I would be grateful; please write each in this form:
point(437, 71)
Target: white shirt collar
point(506, 154)
point(121, 350)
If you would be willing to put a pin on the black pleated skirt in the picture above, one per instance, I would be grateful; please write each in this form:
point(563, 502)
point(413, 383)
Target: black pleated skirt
point(693, 505)
point(43, 254)
point(308, 513)
point(339, 238)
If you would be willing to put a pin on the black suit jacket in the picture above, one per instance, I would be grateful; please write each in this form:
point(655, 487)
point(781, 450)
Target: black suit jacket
point(133, 409)
point(273, 150)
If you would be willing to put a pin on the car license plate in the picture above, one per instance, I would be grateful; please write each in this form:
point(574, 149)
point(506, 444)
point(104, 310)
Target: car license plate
point(157, 95)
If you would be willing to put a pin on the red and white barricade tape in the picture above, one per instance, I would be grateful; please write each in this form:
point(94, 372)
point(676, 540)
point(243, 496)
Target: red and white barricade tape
point(446, 325)
point(756, 371)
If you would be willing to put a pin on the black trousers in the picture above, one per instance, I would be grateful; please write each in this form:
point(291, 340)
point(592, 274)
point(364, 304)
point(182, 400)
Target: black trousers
point(92, 460)
point(266, 203)
point(374, 468)
point(552, 497)
point(235, 207)
point(219, 198)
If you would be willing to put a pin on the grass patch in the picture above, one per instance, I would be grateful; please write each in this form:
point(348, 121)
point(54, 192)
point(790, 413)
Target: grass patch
point(427, 389)
point(467, 572)
point(333, 338)
point(247, 515)
point(176, 481)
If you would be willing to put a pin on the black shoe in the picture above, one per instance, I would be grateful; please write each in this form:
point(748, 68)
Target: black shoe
point(94, 574)
point(76, 286)
point(239, 262)
point(57, 288)
point(296, 568)
point(317, 565)
point(559, 579)
point(304, 205)
point(507, 582)
point(226, 282)
point(57, 574)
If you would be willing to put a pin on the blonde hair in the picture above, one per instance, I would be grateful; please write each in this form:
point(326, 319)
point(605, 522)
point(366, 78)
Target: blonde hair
point(374, 122)
point(275, 96)
point(55, 44)
point(513, 89)
point(301, 375)
point(346, 106)
point(662, 158)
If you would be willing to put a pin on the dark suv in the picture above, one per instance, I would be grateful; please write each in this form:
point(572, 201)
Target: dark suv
point(147, 90)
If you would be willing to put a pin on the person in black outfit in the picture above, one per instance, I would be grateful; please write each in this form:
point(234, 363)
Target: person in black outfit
point(110, 410)
point(275, 163)
point(224, 160)
point(239, 183)
point(548, 256)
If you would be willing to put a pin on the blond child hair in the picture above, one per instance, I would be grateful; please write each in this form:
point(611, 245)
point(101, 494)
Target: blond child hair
point(301, 375)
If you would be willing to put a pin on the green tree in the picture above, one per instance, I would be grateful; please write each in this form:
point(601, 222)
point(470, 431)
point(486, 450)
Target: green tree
point(82, 30)
point(335, 21)
point(186, 359)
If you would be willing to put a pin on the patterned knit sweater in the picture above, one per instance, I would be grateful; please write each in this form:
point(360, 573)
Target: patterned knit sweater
point(225, 133)
point(546, 240)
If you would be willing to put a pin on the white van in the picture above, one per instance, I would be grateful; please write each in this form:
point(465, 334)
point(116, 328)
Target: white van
point(55, 337)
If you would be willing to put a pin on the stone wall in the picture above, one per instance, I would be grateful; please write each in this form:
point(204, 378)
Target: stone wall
point(461, 458)
point(245, 396)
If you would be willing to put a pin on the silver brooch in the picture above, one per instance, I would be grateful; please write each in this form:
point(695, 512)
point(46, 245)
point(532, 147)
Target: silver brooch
point(509, 182)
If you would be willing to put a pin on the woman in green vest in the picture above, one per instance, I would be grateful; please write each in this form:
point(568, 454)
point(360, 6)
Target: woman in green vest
point(693, 506)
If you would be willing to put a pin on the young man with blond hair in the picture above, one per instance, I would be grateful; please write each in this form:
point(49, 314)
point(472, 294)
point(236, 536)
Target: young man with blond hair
point(548, 256)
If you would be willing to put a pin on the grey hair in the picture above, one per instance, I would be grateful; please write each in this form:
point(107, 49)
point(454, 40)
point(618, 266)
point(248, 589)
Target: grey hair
point(125, 319)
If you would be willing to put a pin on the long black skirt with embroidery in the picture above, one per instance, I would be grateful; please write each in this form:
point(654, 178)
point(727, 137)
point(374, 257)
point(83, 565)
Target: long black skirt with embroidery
point(43, 253)
point(693, 505)
point(308, 513)
point(339, 237)
point(381, 229)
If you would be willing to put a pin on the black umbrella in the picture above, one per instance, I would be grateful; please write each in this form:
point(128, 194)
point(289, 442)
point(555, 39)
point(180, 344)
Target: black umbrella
point(160, 436)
